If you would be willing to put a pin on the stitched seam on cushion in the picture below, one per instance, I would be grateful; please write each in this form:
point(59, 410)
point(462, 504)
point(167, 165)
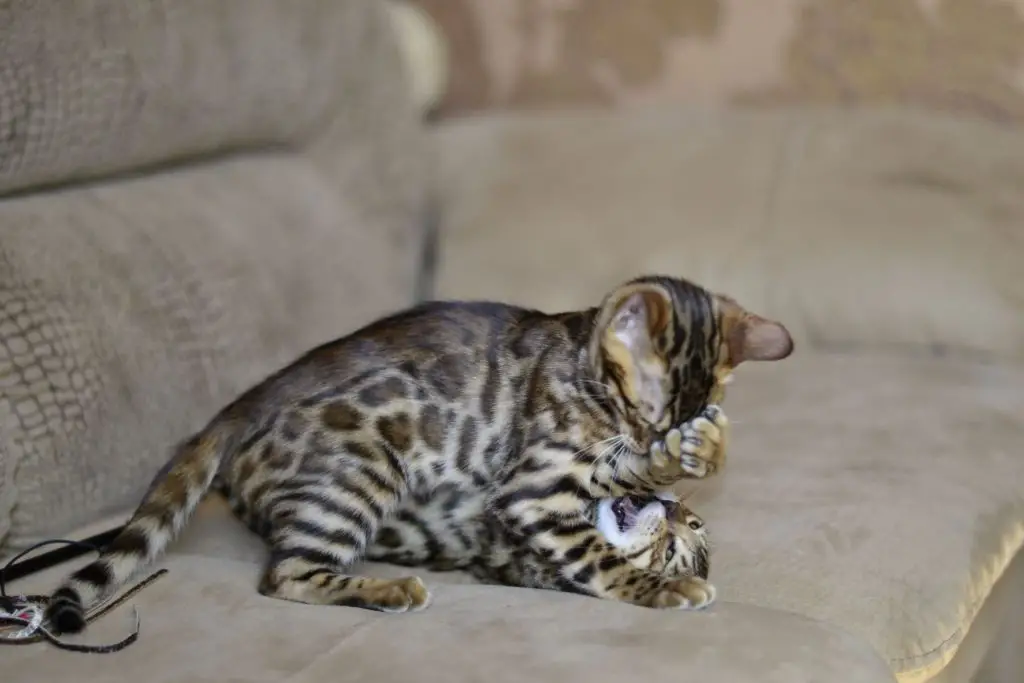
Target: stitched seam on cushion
point(426, 276)
point(331, 650)
point(961, 631)
point(973, 610)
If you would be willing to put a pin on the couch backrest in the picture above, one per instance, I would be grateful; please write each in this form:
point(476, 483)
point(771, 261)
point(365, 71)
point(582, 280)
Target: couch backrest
point(191, 194)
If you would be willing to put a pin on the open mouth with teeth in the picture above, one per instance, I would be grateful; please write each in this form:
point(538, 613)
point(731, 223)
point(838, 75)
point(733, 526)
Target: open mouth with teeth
point(626, 510)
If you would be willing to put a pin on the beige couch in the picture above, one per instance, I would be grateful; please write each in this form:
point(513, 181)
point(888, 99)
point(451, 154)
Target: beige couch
point(195, 193)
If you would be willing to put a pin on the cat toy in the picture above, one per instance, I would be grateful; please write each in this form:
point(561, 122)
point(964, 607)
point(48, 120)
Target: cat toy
point(22, 617)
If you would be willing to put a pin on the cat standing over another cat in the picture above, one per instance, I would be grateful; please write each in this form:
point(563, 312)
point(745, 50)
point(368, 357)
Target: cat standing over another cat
point(529, 416)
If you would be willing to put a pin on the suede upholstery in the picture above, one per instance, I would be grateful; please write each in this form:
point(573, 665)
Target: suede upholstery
point(133, 307)
point(469, 633)
point(874, 479)
point(193, 193)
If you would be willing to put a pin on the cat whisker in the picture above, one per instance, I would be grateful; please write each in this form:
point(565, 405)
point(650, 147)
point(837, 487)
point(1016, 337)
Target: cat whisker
point(608, 444)
point(616, 445)
point(615, 461)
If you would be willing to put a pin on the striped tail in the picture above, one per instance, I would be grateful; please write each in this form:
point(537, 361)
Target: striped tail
point(165, 509)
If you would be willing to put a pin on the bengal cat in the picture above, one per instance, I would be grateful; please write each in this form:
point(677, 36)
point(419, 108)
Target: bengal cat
point(528, 414)
point(656, 533)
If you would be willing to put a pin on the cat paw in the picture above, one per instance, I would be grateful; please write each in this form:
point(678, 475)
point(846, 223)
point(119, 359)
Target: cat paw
point(698, 445)
point(400, 595)
point(691, 593)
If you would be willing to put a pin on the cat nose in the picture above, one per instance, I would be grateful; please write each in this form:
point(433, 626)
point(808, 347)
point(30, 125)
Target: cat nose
point(655, 415)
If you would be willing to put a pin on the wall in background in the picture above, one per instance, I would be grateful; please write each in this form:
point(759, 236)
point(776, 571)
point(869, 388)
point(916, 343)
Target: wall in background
point(965, 56)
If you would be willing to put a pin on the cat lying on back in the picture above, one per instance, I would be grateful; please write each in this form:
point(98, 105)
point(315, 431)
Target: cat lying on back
point(533, 416)
point(656, 533)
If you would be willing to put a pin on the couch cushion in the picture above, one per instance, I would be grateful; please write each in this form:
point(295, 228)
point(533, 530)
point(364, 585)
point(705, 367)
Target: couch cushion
point(204, 621)
point(131, 310)
point(97, 87)
point(131, 313)
point(879, 493)
point(878, 228)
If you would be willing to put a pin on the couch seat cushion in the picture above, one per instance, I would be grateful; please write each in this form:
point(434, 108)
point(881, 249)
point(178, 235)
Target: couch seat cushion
point(877, 492)
point(204, 621)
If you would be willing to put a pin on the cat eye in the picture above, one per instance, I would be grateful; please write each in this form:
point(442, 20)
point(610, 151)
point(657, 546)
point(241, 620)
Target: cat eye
point(695, 525)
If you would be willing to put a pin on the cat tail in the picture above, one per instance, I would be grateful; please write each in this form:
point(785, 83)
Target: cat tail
point(165, 509)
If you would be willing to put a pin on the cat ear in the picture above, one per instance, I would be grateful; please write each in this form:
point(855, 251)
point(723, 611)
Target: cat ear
point(756, 338)
point(629, 323)
point(753, 337)
point(640, 317)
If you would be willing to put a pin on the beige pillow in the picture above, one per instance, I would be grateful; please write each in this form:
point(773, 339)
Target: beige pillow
point(886, 228)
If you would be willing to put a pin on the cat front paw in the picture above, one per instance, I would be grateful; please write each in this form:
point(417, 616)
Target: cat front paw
point(690, 593)
point(698, 446)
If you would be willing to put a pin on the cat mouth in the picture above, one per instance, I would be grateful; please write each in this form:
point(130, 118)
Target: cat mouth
point(627, 511)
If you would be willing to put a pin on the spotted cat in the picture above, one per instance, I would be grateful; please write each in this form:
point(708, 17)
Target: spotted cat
point(656, 533)
point(529, 415)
